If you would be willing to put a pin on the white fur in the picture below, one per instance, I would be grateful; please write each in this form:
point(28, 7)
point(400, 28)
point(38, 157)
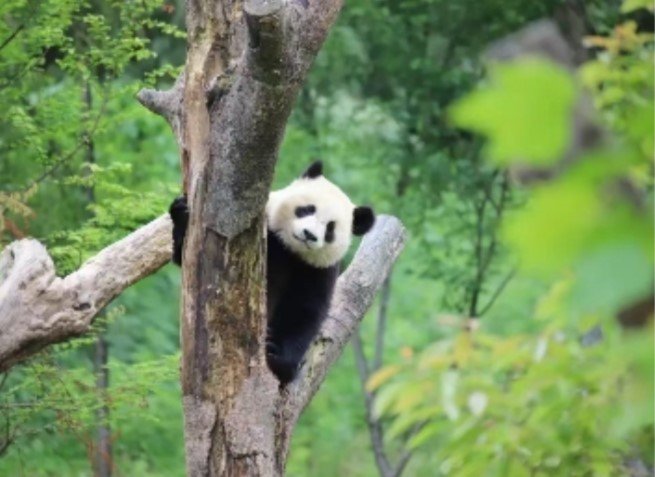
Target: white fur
point(331, 205)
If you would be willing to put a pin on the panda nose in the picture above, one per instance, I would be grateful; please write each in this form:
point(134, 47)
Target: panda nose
point(309, 236)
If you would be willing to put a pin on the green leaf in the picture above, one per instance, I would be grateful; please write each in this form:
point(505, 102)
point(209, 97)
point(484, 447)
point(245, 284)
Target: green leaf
point(612, 277)
point(525, 112)
point(554, 227)
point(427, 432)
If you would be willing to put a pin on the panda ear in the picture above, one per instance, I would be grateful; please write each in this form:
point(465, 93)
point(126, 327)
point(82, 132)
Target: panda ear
point(363, 220)
point(314, 170)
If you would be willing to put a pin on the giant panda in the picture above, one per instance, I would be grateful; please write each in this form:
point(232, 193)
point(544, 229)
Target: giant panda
point(310, 224)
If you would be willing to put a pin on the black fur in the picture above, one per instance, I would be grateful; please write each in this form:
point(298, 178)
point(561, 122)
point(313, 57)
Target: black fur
point(180, 214)
point(297, 300)
point(363, 220)
point(297, 303)
point(329, 232)
point(314, 170)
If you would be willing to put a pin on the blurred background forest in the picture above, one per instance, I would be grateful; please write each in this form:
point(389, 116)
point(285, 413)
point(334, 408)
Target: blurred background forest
point(494, 348)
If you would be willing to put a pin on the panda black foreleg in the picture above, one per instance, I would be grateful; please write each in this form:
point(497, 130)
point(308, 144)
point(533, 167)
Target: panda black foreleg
point(179, 212)
point(290, 334)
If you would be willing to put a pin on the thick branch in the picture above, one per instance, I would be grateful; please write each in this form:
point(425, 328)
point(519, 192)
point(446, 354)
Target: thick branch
point(353, 296)
point(236, 97)
point(381, 329)
point(38, 309)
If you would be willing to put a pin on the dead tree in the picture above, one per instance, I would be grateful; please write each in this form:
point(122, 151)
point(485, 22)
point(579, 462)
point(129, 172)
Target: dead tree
point(246, 61)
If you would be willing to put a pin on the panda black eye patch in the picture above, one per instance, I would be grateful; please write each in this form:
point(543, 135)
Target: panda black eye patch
point(304, 211)
point(329, 231)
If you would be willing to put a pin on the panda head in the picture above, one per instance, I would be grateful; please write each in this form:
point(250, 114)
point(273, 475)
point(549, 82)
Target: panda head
point(314, 218)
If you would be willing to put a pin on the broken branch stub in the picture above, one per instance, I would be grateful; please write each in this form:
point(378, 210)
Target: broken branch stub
point(38, 308)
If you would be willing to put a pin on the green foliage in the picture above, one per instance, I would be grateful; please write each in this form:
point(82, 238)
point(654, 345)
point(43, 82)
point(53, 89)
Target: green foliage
point(526, 405)
point(322, 432)
point(82, 165)
point(550, 402)
point(374, 108)
point(117, 210)
point(47, 396)
point(621, 80)
point(59, 67)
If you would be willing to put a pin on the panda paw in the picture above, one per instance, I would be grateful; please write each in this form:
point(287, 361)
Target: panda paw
point(283, 367)
point(179, 212)
point(179, 208)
